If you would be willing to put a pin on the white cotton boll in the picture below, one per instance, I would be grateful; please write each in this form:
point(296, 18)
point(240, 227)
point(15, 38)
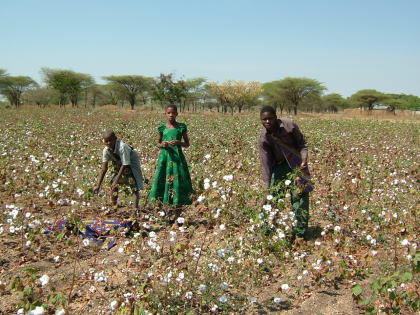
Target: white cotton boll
point(277, 300)
point(86, 242)
point(60, 312)
point(39, 310)
point(269, 197)
point(180, 220)
point(267, 207)
point(228, 178)
point(405, 242)
point(44, 280)
point(287, 182)
point(206, 186)
point(114, 305)
point(222, 227)
point(285, 287)
point(180, 277)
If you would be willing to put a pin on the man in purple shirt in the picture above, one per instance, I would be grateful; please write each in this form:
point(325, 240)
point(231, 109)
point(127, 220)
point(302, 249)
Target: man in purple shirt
point(283, 152)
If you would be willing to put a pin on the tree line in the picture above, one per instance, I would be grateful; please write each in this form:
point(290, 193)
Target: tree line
point(63, 87)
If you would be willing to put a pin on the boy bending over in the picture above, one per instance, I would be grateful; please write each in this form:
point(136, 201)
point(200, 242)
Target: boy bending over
point(126, 164)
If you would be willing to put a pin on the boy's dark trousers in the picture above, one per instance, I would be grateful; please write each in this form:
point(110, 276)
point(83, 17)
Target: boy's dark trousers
point(300, 203)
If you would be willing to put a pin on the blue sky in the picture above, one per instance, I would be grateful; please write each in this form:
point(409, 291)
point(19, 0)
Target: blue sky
point(347, 45)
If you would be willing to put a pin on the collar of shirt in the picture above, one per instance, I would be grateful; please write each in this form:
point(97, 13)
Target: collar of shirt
point(117, 146)
point(265, 132)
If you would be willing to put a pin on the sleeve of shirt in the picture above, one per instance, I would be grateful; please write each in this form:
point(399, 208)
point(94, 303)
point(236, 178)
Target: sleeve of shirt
point(105, 155)
point(125, 152)
point(183, 128)
point(267, 159)
point(300, 142)
point(161, 128)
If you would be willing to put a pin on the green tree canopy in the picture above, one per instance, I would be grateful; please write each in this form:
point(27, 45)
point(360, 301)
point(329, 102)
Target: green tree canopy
point(41, 96)
point(12, 87)
point(298, 89)
point(366, 98)
point(67, 83)
point(403, 101)
point(130, 85)
point(166, 90)
point(195, 92)
point(334, 102)
point(3, 73)
point(274, 95)
point(295, 90)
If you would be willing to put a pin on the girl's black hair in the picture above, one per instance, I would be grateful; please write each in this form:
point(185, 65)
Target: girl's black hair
point(172, 106)
point(268, 109)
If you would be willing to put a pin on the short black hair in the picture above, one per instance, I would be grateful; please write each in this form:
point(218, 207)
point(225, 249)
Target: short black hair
point(108, 133)
point(172, 106)
point(268, 109)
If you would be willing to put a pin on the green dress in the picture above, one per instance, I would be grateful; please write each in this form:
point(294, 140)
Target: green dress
point(172, 183)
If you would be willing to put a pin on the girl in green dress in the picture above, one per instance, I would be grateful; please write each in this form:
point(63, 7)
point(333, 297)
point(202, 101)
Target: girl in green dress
point(172, 183)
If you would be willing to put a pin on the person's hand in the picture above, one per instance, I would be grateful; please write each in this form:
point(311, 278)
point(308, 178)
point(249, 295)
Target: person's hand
point(175, 142)
point(164, 144)
point(304, 164)
point(96, 190)
point(114, 185)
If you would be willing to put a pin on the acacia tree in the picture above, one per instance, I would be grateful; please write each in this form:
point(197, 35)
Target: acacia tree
point(274, 95)
point(168, 91)
point(333, 102)
point(130, 86)
point(195, 92)
point(85, 82)
point(235, 94)
point(111, 94)
point(67, 83)
point(296, 90)
point(367, 98)
point(40, 96)
point(12, 87)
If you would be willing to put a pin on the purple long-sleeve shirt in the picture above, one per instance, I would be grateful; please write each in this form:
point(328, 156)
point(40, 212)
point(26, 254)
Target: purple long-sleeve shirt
point(271, 152)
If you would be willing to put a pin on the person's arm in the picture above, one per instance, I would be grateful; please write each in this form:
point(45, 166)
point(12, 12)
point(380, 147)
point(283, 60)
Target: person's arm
point(117, 178)
point(101, 177)
point(184, 144)
point(125, 156)
point(267, 159)
point(161, 144)
point(301, 145)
